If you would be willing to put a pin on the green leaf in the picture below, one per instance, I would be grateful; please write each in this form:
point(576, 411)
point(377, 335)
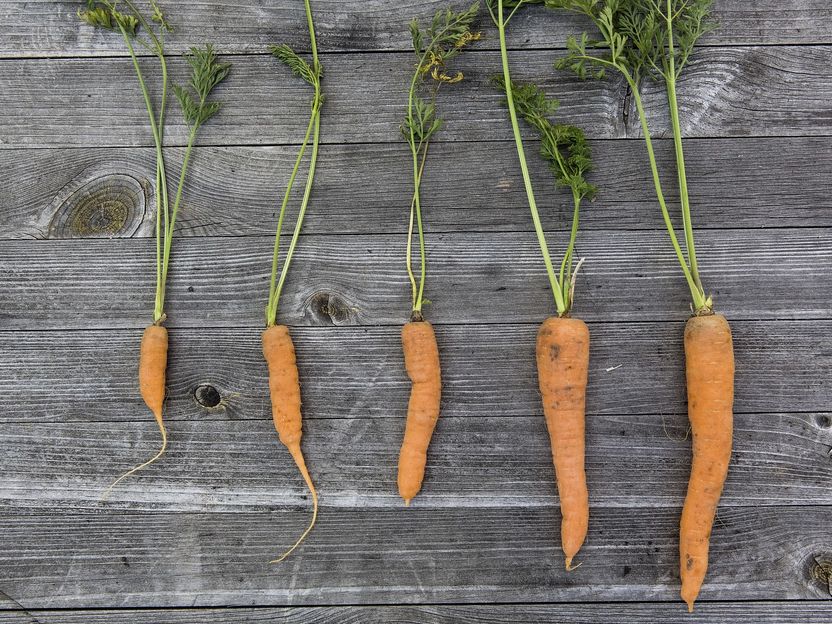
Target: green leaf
point(105, 15)
point(206, 73)
point(564, 147)
point(294, 62)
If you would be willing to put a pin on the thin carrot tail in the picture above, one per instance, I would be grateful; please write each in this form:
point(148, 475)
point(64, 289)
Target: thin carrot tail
point(297, 455)
point(106, 494)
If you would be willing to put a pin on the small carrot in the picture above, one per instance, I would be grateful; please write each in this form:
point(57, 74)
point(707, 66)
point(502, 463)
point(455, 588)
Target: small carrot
point(284, 388)
point(153, 362)
point(562, 366)
point(421, 358)
point(709, 356)
point(450, 31)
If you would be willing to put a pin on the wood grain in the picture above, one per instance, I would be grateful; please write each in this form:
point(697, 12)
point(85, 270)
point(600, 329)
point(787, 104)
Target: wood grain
point(638, 461)
point(360, 280)
point(106, 559)
point(50, 28)
point(359, 372)
point(772, 612)
point(363, 188)
point(746, 91)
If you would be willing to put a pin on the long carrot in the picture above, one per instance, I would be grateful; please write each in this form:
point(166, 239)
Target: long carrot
point(421, 358)
point(661, 52)
point(709, 355)
point(284, 388)
point(562, 366)
point(562, 341)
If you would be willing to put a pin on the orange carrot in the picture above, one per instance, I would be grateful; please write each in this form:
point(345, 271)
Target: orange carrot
point(284, 387)
point(153, 361)
point(421, 358)
point(562, 366)
point(709, 362)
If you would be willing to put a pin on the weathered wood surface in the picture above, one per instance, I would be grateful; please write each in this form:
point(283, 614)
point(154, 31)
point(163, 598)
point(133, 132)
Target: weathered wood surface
point(389, 556)
point(196, 529)
point(359, 188)
point(741, 91)
point(633, 461)
point(489, 371)
point(773, 612)
point(50, 28)
point(361, 280)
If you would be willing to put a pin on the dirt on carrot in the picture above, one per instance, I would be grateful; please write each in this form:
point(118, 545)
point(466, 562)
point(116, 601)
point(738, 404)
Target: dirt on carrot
point(562, 366)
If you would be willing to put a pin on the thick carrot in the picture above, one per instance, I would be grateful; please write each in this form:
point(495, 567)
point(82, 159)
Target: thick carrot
point(421, 359)
point(153, 362)
point(709, 362)
point(284, 387)
point(562, 367)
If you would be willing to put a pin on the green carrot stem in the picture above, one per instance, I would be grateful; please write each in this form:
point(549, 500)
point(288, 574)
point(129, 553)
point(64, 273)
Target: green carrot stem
point(559, 300)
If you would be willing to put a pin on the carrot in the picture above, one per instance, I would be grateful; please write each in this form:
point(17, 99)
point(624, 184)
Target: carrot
point(709, 356)
point(421, 358)
point(278, 349)
point(153, 362)
point(197, 108)
point(661, 52)
point(284, 388)
point(562, 342)
point(562, 367)
point(449, 32)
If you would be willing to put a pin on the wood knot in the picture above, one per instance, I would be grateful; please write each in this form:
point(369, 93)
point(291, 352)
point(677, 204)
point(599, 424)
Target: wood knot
point(103, 206)
point(820, 571)
point(329, 309)
point(207, 395)
point(823, 421)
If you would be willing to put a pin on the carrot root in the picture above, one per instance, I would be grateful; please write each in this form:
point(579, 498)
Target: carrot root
point(563, 365)
point(297, 455)
point(284, 388)
point(153, 362)
point(421, 357)
point(709, 356)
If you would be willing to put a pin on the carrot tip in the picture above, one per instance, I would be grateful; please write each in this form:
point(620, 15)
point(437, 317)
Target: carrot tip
point(407, 502)
point(690, 606)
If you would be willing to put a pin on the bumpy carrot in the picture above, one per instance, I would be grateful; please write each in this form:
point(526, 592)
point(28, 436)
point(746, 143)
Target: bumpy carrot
point(709, 355)
point(284, 387)
point(562, 366)
point(421, 358)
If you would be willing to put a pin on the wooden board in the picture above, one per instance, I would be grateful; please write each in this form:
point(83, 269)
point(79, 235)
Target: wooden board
point(106, 559)
point(187, 540)
point(360, 189)
point(748, 91)
point(361, 280)
point(50, 28)
point(783, 612)
point(633, 461)
point(488, 371)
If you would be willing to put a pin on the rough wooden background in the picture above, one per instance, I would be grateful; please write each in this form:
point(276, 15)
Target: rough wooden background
point(188, 540)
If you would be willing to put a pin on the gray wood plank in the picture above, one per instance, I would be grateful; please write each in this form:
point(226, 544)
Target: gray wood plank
point(49, 28)
point(360, 188)
point(360, 280)
point(488, 370)
point(236, 466)
point(774, 612)
point(61, 560)
point(94, 102)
